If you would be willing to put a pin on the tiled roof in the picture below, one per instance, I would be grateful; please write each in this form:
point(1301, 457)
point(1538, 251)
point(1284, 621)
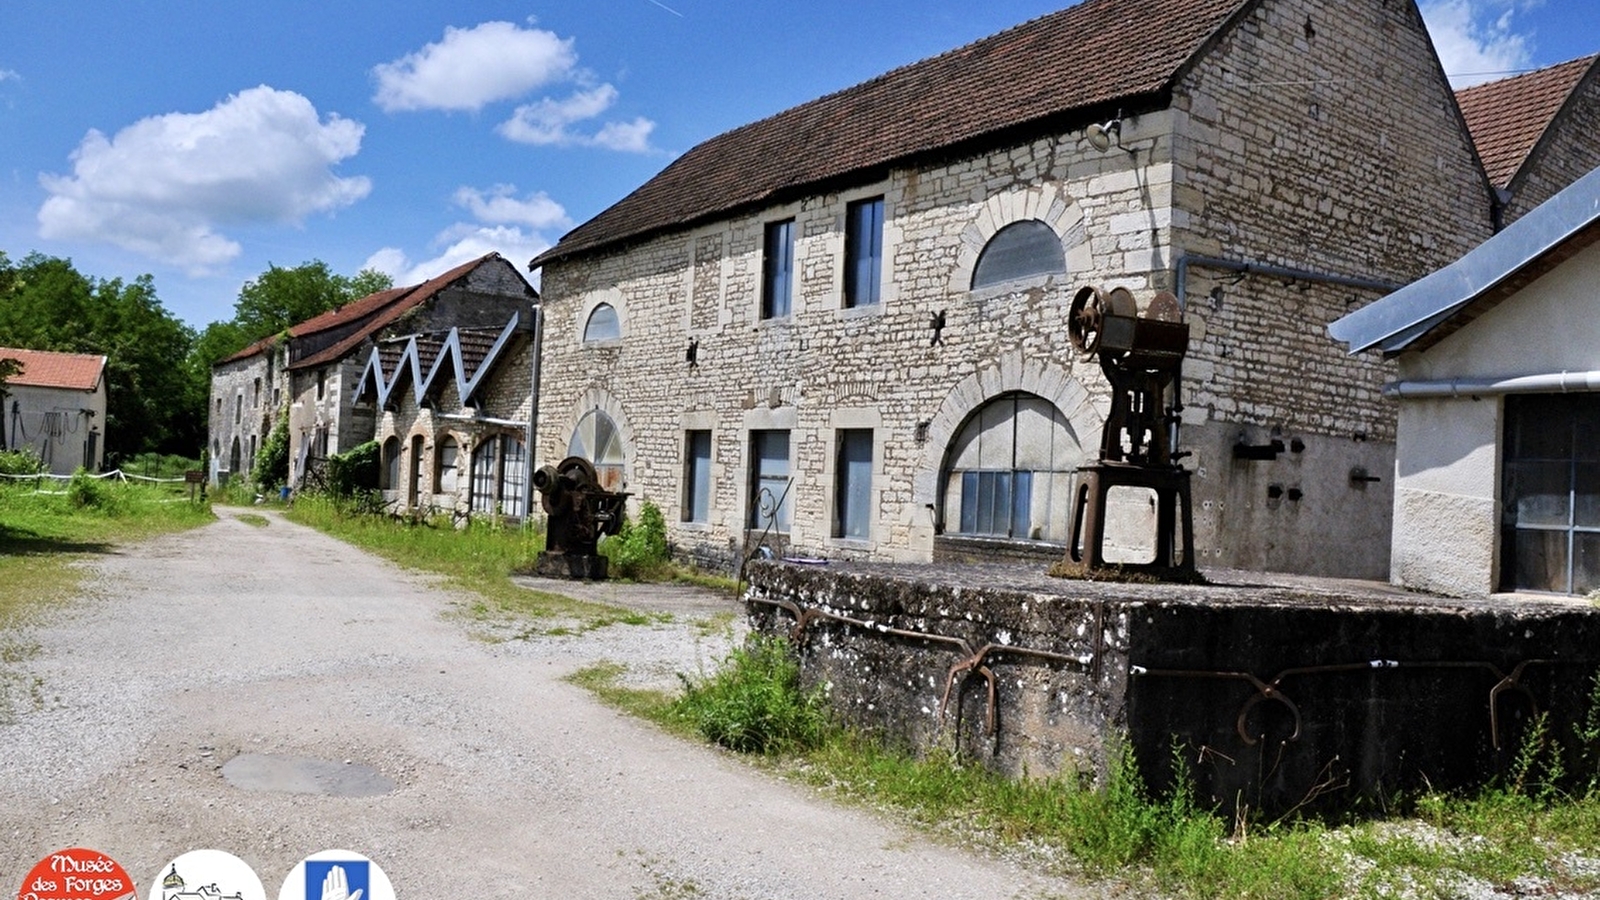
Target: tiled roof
point(1065, 68)
point(379, 310)
point(42, 368)
point(260, 346)
point(1507, 117)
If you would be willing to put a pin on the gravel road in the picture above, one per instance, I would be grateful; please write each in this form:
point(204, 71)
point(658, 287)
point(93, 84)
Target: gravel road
point(280, 644)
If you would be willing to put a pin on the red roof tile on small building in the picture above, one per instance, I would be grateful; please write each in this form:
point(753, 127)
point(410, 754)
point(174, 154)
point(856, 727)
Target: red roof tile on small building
point(1063, 68)
point(1508, 117)
point(42, 368)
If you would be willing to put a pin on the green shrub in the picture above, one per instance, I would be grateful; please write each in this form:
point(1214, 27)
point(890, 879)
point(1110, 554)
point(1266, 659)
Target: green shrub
point(754, 704)
point(20, 462)
point(85, 491)
point(638, 550)
point(272, 463)
point(354, 470)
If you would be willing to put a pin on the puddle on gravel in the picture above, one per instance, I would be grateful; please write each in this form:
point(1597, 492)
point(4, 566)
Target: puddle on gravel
point(303, 775)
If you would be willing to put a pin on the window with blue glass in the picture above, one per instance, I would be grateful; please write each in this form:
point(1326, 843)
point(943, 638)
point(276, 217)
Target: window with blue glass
point(777, 269)
point(863, 252)
point(769, 481)
point(852, 493)
point(1009, 471)
point(697, 476)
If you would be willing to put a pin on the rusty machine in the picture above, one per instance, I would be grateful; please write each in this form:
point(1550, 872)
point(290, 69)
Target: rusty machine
point(1141, 357)
point(579, 512)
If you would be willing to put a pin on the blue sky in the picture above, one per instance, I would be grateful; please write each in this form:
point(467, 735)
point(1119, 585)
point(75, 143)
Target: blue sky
point(201, 141)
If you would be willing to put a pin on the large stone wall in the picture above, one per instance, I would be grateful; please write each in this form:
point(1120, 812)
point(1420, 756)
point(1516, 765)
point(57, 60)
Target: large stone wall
point(246, 399)
point(1279, 692)
point(1326, 174)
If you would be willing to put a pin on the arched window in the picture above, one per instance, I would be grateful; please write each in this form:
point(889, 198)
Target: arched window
point(603, 325)
point(391, 464)
point(597, 440)
point(499, 474)
point(444, 465)
point(1009, 471)
point(1022, 249)
point(233, 456)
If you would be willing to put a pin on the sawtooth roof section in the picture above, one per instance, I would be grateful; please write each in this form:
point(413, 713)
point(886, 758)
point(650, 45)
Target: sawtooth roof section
point(1424, 312)
point(1508, 117)
point(425, 361)
point(378, 311)
point(1063, 67)
point(47, 369)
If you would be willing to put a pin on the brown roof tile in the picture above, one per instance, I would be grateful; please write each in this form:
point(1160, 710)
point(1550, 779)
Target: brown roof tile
point(380, 309)
point(1507, 117)
point(1073, 63)
point(43, 368)
point(260, 346)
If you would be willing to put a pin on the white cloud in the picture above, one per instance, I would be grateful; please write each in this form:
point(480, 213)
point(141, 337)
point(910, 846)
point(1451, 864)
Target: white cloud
point(500, 206)
point(472, 67)
point(549, 123)
point(462, 243)
point(1477, 40)
point(515, 228)
point(10, 75)
point(162, 186)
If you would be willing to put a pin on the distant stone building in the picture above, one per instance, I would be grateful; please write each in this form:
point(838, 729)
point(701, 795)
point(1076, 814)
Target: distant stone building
point(455, 416)
point(312, 372)
point(247, 399)
point(1498, 475)
point(1537, 132)
point(844, 327)
point(56, 407)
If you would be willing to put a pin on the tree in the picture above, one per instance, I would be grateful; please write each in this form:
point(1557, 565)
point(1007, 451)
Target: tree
point(46, 304)
point(279, 297)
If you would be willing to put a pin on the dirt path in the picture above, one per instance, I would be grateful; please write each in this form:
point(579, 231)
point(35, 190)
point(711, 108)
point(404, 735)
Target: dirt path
point(507, 781)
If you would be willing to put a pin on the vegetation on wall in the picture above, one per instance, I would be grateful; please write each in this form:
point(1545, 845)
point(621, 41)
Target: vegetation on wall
point(354, 470)
point(272, 462)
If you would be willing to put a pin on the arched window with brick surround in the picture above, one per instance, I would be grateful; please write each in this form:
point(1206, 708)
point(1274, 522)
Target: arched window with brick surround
point(1025, 249)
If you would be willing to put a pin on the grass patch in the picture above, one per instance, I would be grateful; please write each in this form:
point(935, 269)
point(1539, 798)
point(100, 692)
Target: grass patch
point(1520, 838)
point(255, 519)
point(478, 560)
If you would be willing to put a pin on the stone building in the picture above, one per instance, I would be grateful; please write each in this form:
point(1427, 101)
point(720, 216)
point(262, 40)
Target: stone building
point(1536, 131)
point(1498, 476)
point(327, 354)
point(55, 406)
point(843, 329)
point(247, 398)
point(456, 413)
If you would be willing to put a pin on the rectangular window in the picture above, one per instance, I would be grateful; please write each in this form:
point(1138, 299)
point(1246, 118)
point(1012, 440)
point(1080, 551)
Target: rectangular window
point(852, 488)
point(777, 269)
point(996, 504)
point(238, 408)
point(771, 502)
point(255, 398)
point(322, 382)
point(863, 252)
point(697, 476)
point(1550, 538)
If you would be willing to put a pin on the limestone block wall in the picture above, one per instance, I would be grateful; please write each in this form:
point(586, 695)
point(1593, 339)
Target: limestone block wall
point(245, 401)
point(1320, 138)
point(1566, 153)
point(1312, 137)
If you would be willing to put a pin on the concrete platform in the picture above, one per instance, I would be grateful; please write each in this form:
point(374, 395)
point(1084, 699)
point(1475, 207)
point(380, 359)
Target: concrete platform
point(1281, 692)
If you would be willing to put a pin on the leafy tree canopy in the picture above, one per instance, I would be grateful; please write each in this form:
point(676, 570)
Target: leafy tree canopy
point(279, 297)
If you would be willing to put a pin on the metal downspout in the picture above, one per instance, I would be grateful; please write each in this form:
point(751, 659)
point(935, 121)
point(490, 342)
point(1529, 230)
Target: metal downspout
point(533, 412)
point(1181, 285)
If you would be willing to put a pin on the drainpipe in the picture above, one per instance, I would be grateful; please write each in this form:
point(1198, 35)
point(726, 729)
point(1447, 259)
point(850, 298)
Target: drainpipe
point(1250, 268)
point(533, 412)
point(1549, 383)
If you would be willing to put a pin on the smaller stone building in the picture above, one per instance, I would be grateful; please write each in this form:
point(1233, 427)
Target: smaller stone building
point(56, 406)
point(455, 417)
point(247, 398)
point(1535, 132)
point(327, 354)
point(1497, 479)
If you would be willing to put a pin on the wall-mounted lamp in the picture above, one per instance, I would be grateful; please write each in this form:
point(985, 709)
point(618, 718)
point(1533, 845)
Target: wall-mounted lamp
point(1101, 137)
